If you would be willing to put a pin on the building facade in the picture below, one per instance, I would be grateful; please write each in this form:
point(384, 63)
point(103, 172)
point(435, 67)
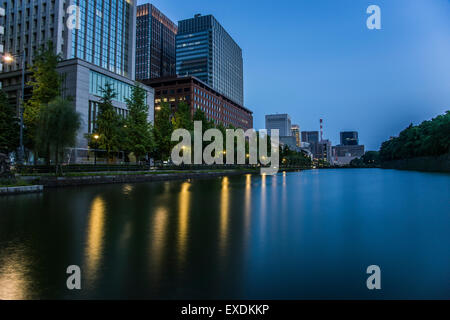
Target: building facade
point(324, 151)
point(96, 42)
point(205, 50)
point(296, 133)
point(282, 122)
point(155, 44)
point(349, 138)
point(199, 95)
point(2, 33)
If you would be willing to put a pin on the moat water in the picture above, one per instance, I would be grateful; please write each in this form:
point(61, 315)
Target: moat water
point(297, 235)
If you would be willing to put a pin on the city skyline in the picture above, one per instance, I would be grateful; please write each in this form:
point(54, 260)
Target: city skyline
point(371, 86)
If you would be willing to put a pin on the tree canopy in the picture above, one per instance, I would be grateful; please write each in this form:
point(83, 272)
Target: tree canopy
point(9, 125)
point(430, 138)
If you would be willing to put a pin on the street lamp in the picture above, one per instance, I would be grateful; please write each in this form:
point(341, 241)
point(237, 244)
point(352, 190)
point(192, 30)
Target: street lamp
point(8, 59)
point(96, 137)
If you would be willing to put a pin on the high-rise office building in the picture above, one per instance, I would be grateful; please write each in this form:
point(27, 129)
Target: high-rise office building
point(96, 41)
point(349, 138)
point(296, 133)
point(205, 50)
point(282, 122)
point(103, 34)
point(310, 136)
point(155, 44)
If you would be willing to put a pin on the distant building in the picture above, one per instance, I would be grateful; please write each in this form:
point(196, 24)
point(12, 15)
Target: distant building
point(296, 133)
point(312, 138)
point(349, 138)
point(324, 151)
point(205, 50)
point(290, 142)
point(348, 150)
point(282, 122)
point(155, 43)
point(199, 95)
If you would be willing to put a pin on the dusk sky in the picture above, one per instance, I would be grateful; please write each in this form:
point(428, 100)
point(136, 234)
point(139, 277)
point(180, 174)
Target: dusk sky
point(317, 59)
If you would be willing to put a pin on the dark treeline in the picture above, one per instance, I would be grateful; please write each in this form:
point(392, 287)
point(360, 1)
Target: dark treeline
point(430, 138)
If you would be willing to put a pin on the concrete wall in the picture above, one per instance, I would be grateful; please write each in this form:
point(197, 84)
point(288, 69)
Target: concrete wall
point(76, 82)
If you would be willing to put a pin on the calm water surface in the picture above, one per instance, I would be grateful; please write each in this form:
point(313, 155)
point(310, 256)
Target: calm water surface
point(308, 234)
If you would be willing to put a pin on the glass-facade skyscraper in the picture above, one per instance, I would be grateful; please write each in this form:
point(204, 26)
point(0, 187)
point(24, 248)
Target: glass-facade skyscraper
point(349, 138)
point(155, 43)
point(105, 36)
point(205, 50)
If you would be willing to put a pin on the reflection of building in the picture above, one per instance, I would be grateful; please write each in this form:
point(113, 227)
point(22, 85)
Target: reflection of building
point(199, 95)
point(281, 122)
point(296, 133)
point(100, 50)
point(155, 43)
point(349, 138)
point(205, 50)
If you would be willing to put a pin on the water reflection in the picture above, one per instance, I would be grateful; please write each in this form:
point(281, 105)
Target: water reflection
point(183, 221)
point(13, 276)
point(248, 202)
point(95, 238)
point(224, 211)
point(159, 235)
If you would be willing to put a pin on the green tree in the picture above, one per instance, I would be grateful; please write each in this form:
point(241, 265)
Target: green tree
point(57, 128)
point(9, 125)
point(163, 131)
point(109, 124)
point(46, 84)
point(138, 131)
point(183, 117)
point(430, 138)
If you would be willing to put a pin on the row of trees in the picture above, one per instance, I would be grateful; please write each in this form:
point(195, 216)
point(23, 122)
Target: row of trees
point(51, 122)
point(430, 138)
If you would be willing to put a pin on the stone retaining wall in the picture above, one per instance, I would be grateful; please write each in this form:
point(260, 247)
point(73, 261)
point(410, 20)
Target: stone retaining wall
point(54, 182)
point(19, 190)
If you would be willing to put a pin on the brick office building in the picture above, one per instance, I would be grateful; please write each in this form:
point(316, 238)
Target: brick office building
point(199, 95)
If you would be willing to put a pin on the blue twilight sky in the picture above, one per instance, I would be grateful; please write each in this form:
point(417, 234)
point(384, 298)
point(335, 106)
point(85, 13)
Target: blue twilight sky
point(316, 59)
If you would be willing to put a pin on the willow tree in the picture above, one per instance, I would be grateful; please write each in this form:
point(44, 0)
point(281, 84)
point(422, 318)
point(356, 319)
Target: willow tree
point(57, 127)
point(46, 85)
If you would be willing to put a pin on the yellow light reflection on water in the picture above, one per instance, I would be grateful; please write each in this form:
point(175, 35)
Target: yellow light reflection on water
point(224, 211)
point(14, 284)
point(160, 220)
point(95, 238)
point(183, 220)
point(248, 204)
